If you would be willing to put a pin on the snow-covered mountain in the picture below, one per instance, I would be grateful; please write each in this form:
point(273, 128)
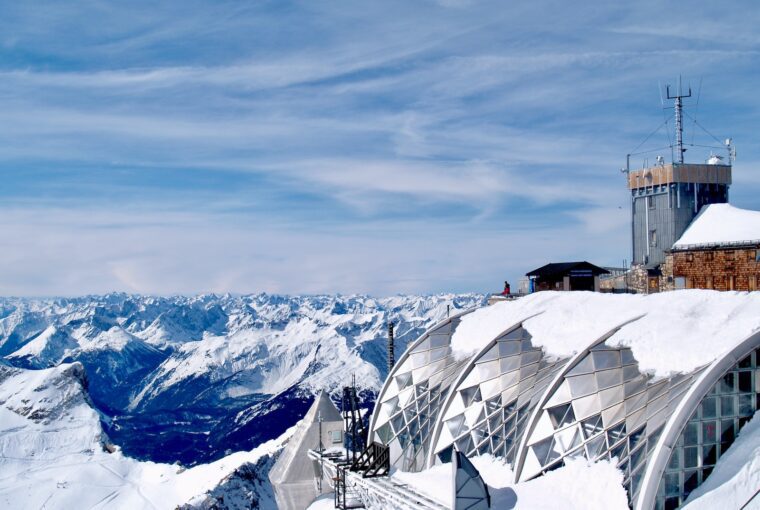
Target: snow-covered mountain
point(190, 378)
point(55, 454)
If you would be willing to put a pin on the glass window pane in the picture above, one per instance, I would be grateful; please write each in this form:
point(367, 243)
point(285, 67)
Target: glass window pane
point(672, 503)
point(690, 434)
point(709, 455)
point(745, 382)
point(709, 408)
point(745, 405)
point(674, 463)
point(690, 457)
point(727, 383)
point(672, 487)
point(709, 432)
point(727, 407)
point(690, 481)
point(606, 359)
point(727, 431)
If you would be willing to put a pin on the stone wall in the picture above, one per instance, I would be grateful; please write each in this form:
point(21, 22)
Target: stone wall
point(718, 268)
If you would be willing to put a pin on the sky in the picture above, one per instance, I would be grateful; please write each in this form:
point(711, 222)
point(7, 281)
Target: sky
point(340, 146)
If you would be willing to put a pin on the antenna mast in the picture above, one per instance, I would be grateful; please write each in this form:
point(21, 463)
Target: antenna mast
point(679, 118)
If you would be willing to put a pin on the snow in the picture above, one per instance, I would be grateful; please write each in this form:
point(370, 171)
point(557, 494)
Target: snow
point(323, 502)
point(736, 477)
point(581, 485)
point(671, 332)
point(721, 223)
point(52, 454)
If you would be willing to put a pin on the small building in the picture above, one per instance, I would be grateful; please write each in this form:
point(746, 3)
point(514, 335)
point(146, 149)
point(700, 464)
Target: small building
point(566, 276)
point(720, 250)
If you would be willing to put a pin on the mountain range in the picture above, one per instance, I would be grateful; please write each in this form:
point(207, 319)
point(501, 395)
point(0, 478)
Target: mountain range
point(192, 379)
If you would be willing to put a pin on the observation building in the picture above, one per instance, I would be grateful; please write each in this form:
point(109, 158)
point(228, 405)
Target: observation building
point(660, 384)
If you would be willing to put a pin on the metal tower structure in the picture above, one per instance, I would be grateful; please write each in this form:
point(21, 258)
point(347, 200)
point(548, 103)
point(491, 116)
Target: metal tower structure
point(679, 97)
point(391, 348)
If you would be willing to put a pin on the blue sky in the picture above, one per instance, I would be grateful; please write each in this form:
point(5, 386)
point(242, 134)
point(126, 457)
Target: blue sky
point(375, 147)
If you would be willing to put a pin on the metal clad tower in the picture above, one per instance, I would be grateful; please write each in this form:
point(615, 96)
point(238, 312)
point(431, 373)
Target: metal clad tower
point(665, 198)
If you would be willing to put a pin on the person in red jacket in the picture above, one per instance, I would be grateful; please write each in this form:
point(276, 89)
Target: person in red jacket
point(506, 289)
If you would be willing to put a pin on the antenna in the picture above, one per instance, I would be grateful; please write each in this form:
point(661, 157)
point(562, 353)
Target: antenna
point(679, 96)
point(391, 348)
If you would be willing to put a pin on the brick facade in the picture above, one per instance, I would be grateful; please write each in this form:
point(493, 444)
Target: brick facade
point(719, 268)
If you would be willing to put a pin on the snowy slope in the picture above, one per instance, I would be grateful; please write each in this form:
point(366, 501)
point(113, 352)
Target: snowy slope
point(54, 452)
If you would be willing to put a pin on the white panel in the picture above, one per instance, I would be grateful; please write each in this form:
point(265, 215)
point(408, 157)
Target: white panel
point(474, 413)
point(392, 390)
point(560, 396)
point(456, 407)
point(586, 406)
point(490, 388)
point(544, 428)
point(564, 439)
point(531, 467)
point(611, 396)
point(444, 439)
point(406, 396)
point(509, 379)
point(472, 379)
point(613, 415)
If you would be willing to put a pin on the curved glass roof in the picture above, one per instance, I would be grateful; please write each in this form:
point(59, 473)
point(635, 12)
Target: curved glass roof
point(513, 400)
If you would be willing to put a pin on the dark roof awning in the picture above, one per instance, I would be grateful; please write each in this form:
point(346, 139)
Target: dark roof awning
point(577, 269)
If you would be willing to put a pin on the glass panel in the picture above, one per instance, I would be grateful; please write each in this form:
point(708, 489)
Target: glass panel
point(745, 382)
point(672, 485)
point(727, 383)
point(595, 446)
point(606, 359)
point(591, 426)
point(561, 415)
point(690, 481)
point(727, 407)
point(709, 408)
point(746, 405)
point(690, 457)
point(709, 432)
point(674, 463)
point(690, 436)
point(709, 455)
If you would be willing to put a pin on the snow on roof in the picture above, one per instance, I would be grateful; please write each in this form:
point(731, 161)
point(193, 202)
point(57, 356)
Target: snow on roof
point(579, 484)
point(669, 332)
point(721, 224)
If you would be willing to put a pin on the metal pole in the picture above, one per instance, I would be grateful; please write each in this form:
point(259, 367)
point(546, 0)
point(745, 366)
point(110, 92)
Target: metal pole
point(679, 96)
point(391, 348)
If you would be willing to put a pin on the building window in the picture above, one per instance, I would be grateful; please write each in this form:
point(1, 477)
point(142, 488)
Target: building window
point(650, 202)
point(680, 282)
point(710, 433)
point(709, 282)
point(689, 257)
point(752, 284)
point(653, 237)
point(751, 255)
point(729, 283)
point(709, 256)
